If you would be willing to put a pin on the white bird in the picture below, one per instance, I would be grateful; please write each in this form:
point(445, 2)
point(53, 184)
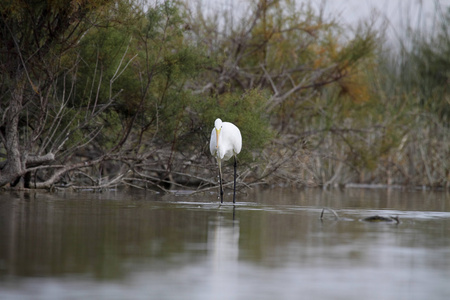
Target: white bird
point(226, 141)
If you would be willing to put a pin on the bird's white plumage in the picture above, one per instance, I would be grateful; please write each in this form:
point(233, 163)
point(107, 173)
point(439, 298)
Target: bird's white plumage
point(226, 140)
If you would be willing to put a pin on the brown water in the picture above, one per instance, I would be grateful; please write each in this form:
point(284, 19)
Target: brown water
point(271, 245)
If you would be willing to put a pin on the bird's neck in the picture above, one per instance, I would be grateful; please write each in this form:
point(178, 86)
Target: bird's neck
point(219, 153)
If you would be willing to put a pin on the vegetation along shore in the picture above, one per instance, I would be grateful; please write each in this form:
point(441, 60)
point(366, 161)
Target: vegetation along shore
point(107, 94)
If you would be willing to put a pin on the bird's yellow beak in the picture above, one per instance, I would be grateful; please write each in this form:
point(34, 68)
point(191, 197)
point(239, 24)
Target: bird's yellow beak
point(217, 137)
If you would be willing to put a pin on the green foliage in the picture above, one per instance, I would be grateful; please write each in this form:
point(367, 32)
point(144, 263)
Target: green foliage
point(143, 64)
point(425, 67)
point(127, 80)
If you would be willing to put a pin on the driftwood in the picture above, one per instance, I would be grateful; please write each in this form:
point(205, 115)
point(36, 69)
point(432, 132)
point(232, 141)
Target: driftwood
point(372, 219)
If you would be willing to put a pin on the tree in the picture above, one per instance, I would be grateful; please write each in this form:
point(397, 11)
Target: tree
point(34, 37)
point(425, 65)
point(94, 85)
point(308, 66)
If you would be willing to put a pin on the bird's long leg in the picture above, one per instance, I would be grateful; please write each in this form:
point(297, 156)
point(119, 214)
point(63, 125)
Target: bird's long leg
point(220, 181)
point(234, 189)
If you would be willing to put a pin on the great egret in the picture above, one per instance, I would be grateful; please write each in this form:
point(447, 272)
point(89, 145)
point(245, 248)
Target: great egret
point(226, 141)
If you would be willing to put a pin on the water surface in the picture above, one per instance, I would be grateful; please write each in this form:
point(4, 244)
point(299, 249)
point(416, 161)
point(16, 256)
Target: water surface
point(271, 245)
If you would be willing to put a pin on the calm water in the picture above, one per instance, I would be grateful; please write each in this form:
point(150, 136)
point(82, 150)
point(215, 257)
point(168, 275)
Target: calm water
point(271, 245)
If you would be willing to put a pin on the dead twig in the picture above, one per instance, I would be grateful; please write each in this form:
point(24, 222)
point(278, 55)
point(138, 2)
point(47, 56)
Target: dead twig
point(330, 210)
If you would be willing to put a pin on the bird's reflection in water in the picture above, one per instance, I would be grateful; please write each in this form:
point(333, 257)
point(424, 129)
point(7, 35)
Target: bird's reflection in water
point(223, 254)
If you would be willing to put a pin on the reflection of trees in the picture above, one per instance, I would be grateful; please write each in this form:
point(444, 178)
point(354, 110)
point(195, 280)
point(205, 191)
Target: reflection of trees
point(50, 235)
point(290, 229)
point(41, 236)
